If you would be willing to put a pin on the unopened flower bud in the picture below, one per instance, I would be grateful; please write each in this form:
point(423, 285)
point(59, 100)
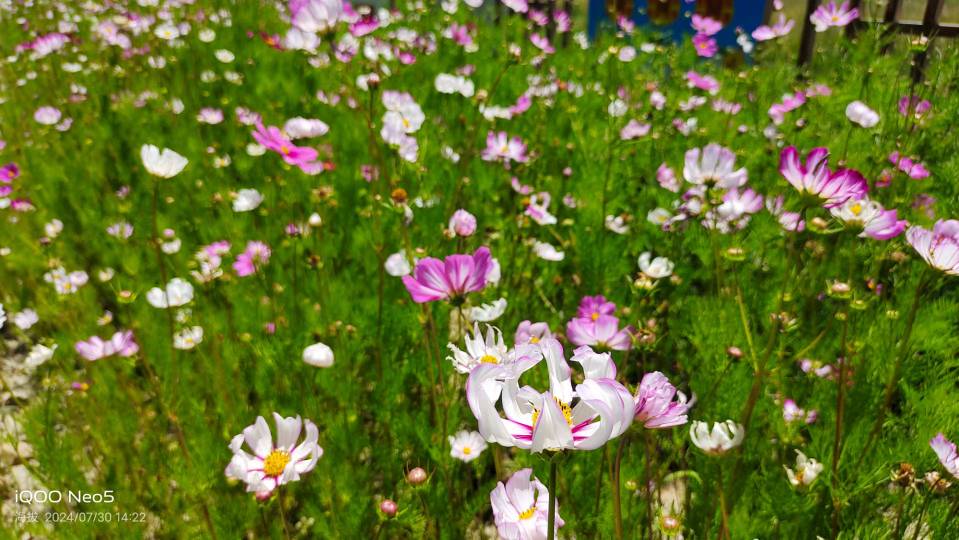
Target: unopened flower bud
point(416, 476)
point(388, 507)
point(734, 351)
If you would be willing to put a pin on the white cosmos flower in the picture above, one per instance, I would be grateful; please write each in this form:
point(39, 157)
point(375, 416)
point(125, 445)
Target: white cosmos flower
point(617, 224)
point(566, 417)
point(479, 350)
point(167, 31)
point(178, 292)
point(273, 464)
point(304, 128)
point(466, 445)
point(224, 56)
point(165, 164)
point(860, 113)
point(454, 84)
point(24, 319)
point(547, 252)
point(397, 264)
point(659, 216)
point(188, 338)
point(38, 355)
point(247, 200)
point(657, 268)
point(171, 247)
point(723, 437)
point(617, 108)
point(318, 355)
point(807, 469)
point(488, 312)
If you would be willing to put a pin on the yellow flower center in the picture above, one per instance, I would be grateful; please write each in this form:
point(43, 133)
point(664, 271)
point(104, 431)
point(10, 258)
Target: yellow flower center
point(467, 450)
point(594, 316)
point(567, 412)
point(406, 123)
point(489, 359)
point(275, 463)
point(526, 514)
point(534, 340)
point(856, 209)
point(504, 149)
point(285, 150)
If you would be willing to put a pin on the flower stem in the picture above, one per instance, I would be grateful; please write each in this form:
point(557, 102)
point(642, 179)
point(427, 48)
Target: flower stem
point(617, 504)
point(896, 369)
point(551, 520)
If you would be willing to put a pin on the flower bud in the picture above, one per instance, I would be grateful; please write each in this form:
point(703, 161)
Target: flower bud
point(318, 355)
point(417, 476)
point(462, 223)
point(388, 507)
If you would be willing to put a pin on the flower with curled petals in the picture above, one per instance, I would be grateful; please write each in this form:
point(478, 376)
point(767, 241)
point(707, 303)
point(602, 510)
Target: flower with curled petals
point(655, 406)
point(521, 508)
point(449, 279)
point(565, 417)
point(272, 464)
point(832, 188)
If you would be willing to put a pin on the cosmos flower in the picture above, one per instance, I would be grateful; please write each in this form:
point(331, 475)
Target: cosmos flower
point(807, 470)
point(178, 292)
point(829, 15)
point(913, 168)
point(702, 82)
point(188, 338)
point(860, 113)
point(462, 223)
point(562, 418)
point(780, 29)
point(315, 15)
point(713, 166)
point(247, 200)
point(25, 319)
point(530, 332)
point(548, 252)
point(521, 508)
point(47, 115)
point(488, 312)
point(305, 128)
point(939, 247)
point(602, 332)
point(875, 221)
point(162, 164)
point(790, 102)
point(256, 255)
point(592, 307)
point(914, 106)
point(273, 139)
point(946, 451)
point(657, 268)
point(499, 147)
point(706, 25)
point(121, 344)
point(454, 84)
point(270, 464)
point(66, 283)
point(723, 437)
point(815, 178)
point(538, 209)
point(480, 349)
point(449, 279)
point(705, 46)
point(793, 413)
point(466, 445)
point(655, 406)
point(318, 355)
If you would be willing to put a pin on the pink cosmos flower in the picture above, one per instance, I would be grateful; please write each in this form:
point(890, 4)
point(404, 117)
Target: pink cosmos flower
point(449, 279)
point(946, 451)
point(706, 25)
point(780, 29)
point(913, 169)
point(914, 106)
point(542, 43)
point(601, 332)
point(713, 166)
point(939, 247)
point(499, 147)
point(519, 6)
point(47, 115)
point(273, 139)
point(121, 344)
point(529, 332)
point(462, 223)
point(592, 307)
point(790, 221)
point(829, 15)
point(254, 256)
point(815, 177)
point(875, 221)
point(563, 21)
point(522, 105)
point(655, 407)
point(633, 130)
point(792, 413)
point(702, 82)
point(521, 507)
point(705, 46)
point(667, 178)
point(790, 102)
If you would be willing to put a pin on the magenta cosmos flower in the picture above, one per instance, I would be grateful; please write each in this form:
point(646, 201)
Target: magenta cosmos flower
point(815, 178)
point(449, 279)
point(499, 147)
point(655, 407)
point(780, 29)
point(121, 344)
point(875, 221)
point(705, 46)
point(939, 247)
point(273, 139)
point(946, 450)
point(592, 307)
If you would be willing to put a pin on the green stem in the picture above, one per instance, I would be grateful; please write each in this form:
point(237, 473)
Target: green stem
point(551, 520)
point(617, 504)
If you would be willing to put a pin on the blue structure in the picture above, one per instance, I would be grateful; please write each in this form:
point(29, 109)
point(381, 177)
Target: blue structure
point(671, 17)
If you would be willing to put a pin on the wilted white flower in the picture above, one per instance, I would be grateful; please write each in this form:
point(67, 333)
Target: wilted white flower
point(657, 268)
point(547, 252)
point(247, 200)
point(723, 437)
point(807, 469)
point(860, 113)
point(188, 338)
point(488, 312)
